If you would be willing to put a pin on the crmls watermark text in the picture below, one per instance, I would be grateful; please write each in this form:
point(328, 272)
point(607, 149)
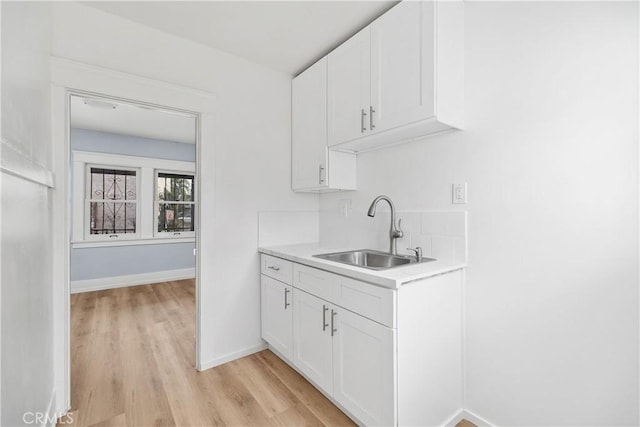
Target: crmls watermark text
point(40, 418)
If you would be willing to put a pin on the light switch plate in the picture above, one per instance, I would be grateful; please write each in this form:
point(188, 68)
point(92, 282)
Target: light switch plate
point(459, 193)
point(344, 207)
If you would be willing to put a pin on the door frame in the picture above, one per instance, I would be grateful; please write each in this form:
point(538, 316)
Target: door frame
point(73, 78)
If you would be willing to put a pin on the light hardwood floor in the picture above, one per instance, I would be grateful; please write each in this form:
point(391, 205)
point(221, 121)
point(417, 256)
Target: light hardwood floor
point(132, 363)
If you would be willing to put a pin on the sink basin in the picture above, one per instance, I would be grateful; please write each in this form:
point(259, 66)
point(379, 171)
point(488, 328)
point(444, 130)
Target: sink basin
point(373, 260)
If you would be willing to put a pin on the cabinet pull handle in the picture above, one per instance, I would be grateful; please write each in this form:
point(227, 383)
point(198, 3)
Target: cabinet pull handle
point(371, 111)
point(333, 315)
point(324, 317)
point(363, 114)
point(320, 169)
point(273, 267)
point(286, 302)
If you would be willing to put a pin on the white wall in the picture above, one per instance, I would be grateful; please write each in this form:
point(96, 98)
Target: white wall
point(27, 310)
point(550, 155)
point(249, 163)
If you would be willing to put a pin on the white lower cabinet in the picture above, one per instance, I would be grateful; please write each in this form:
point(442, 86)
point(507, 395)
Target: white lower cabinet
point(346, 355)
point(277, 315)
point(312, 353)
point(386, 356)
point(364, 368)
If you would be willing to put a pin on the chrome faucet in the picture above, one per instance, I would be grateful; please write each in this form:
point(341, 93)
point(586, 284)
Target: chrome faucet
point(394, 232)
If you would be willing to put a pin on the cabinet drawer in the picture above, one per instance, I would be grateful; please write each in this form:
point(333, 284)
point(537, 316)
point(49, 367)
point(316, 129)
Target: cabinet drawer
point(276, 268)
point(370, 301)
point(316, 282)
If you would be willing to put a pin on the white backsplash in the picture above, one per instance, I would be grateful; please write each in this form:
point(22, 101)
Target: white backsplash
point(287, 227)
point(441, 235)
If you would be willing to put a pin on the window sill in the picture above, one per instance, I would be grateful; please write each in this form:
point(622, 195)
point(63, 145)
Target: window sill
point(133, 242)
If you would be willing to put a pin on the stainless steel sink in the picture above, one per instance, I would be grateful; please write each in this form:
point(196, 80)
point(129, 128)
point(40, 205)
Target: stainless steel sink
point(373, 260)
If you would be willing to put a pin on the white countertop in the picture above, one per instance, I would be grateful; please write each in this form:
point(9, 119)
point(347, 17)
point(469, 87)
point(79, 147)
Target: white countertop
point(391, 278)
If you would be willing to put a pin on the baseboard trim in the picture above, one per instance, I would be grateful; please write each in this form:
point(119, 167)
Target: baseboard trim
point(231, 356)
point(454, 419)
point(78, 286)
point(464, 414)
point(476, 419)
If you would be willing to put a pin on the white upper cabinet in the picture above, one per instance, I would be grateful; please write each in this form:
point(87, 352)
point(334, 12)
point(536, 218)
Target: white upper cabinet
point(399, 78)
point(314, 166)
point(348, 85)
point(401, 60)
point(309, 127)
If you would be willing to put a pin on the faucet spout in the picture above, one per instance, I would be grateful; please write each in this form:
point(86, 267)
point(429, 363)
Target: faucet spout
point(395, 232)
point(372, 208)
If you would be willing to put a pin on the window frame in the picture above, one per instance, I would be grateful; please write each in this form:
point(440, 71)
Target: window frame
point(145, 198)
point(87, 205)
point(157, 201)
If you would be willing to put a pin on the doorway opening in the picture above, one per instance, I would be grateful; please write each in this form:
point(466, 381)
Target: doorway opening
point(134, 218)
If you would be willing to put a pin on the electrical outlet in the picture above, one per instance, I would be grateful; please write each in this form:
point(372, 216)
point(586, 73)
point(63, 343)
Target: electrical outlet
point(459, 193)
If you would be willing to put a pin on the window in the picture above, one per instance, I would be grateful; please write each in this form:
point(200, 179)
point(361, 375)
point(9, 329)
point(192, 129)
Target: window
point(175, 203)
point(112, 201)
point(129, 200)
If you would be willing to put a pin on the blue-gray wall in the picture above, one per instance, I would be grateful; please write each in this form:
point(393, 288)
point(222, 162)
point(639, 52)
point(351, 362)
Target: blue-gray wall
point(109, 261)
point(113, 261)
point(113, 143)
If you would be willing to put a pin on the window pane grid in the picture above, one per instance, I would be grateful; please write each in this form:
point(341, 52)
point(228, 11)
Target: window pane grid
point(175, 202)
point(175, 217)
point(112, 201)
point(175, 187)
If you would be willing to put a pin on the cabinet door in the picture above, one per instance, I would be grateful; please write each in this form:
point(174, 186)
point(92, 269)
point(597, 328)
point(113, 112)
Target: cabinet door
point(349, 88)
point(364, 368)
point(312, 353)
point(402, 65)
point(309, 128)
point(277, 315)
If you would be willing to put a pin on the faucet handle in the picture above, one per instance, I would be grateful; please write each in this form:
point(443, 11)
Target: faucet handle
point(418, 252)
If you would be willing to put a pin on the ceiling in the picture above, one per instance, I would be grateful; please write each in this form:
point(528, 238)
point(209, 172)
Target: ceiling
point(284, 35)
point(128, 119)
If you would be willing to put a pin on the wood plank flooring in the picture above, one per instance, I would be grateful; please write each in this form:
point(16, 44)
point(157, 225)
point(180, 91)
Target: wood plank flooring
point(132, 364)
